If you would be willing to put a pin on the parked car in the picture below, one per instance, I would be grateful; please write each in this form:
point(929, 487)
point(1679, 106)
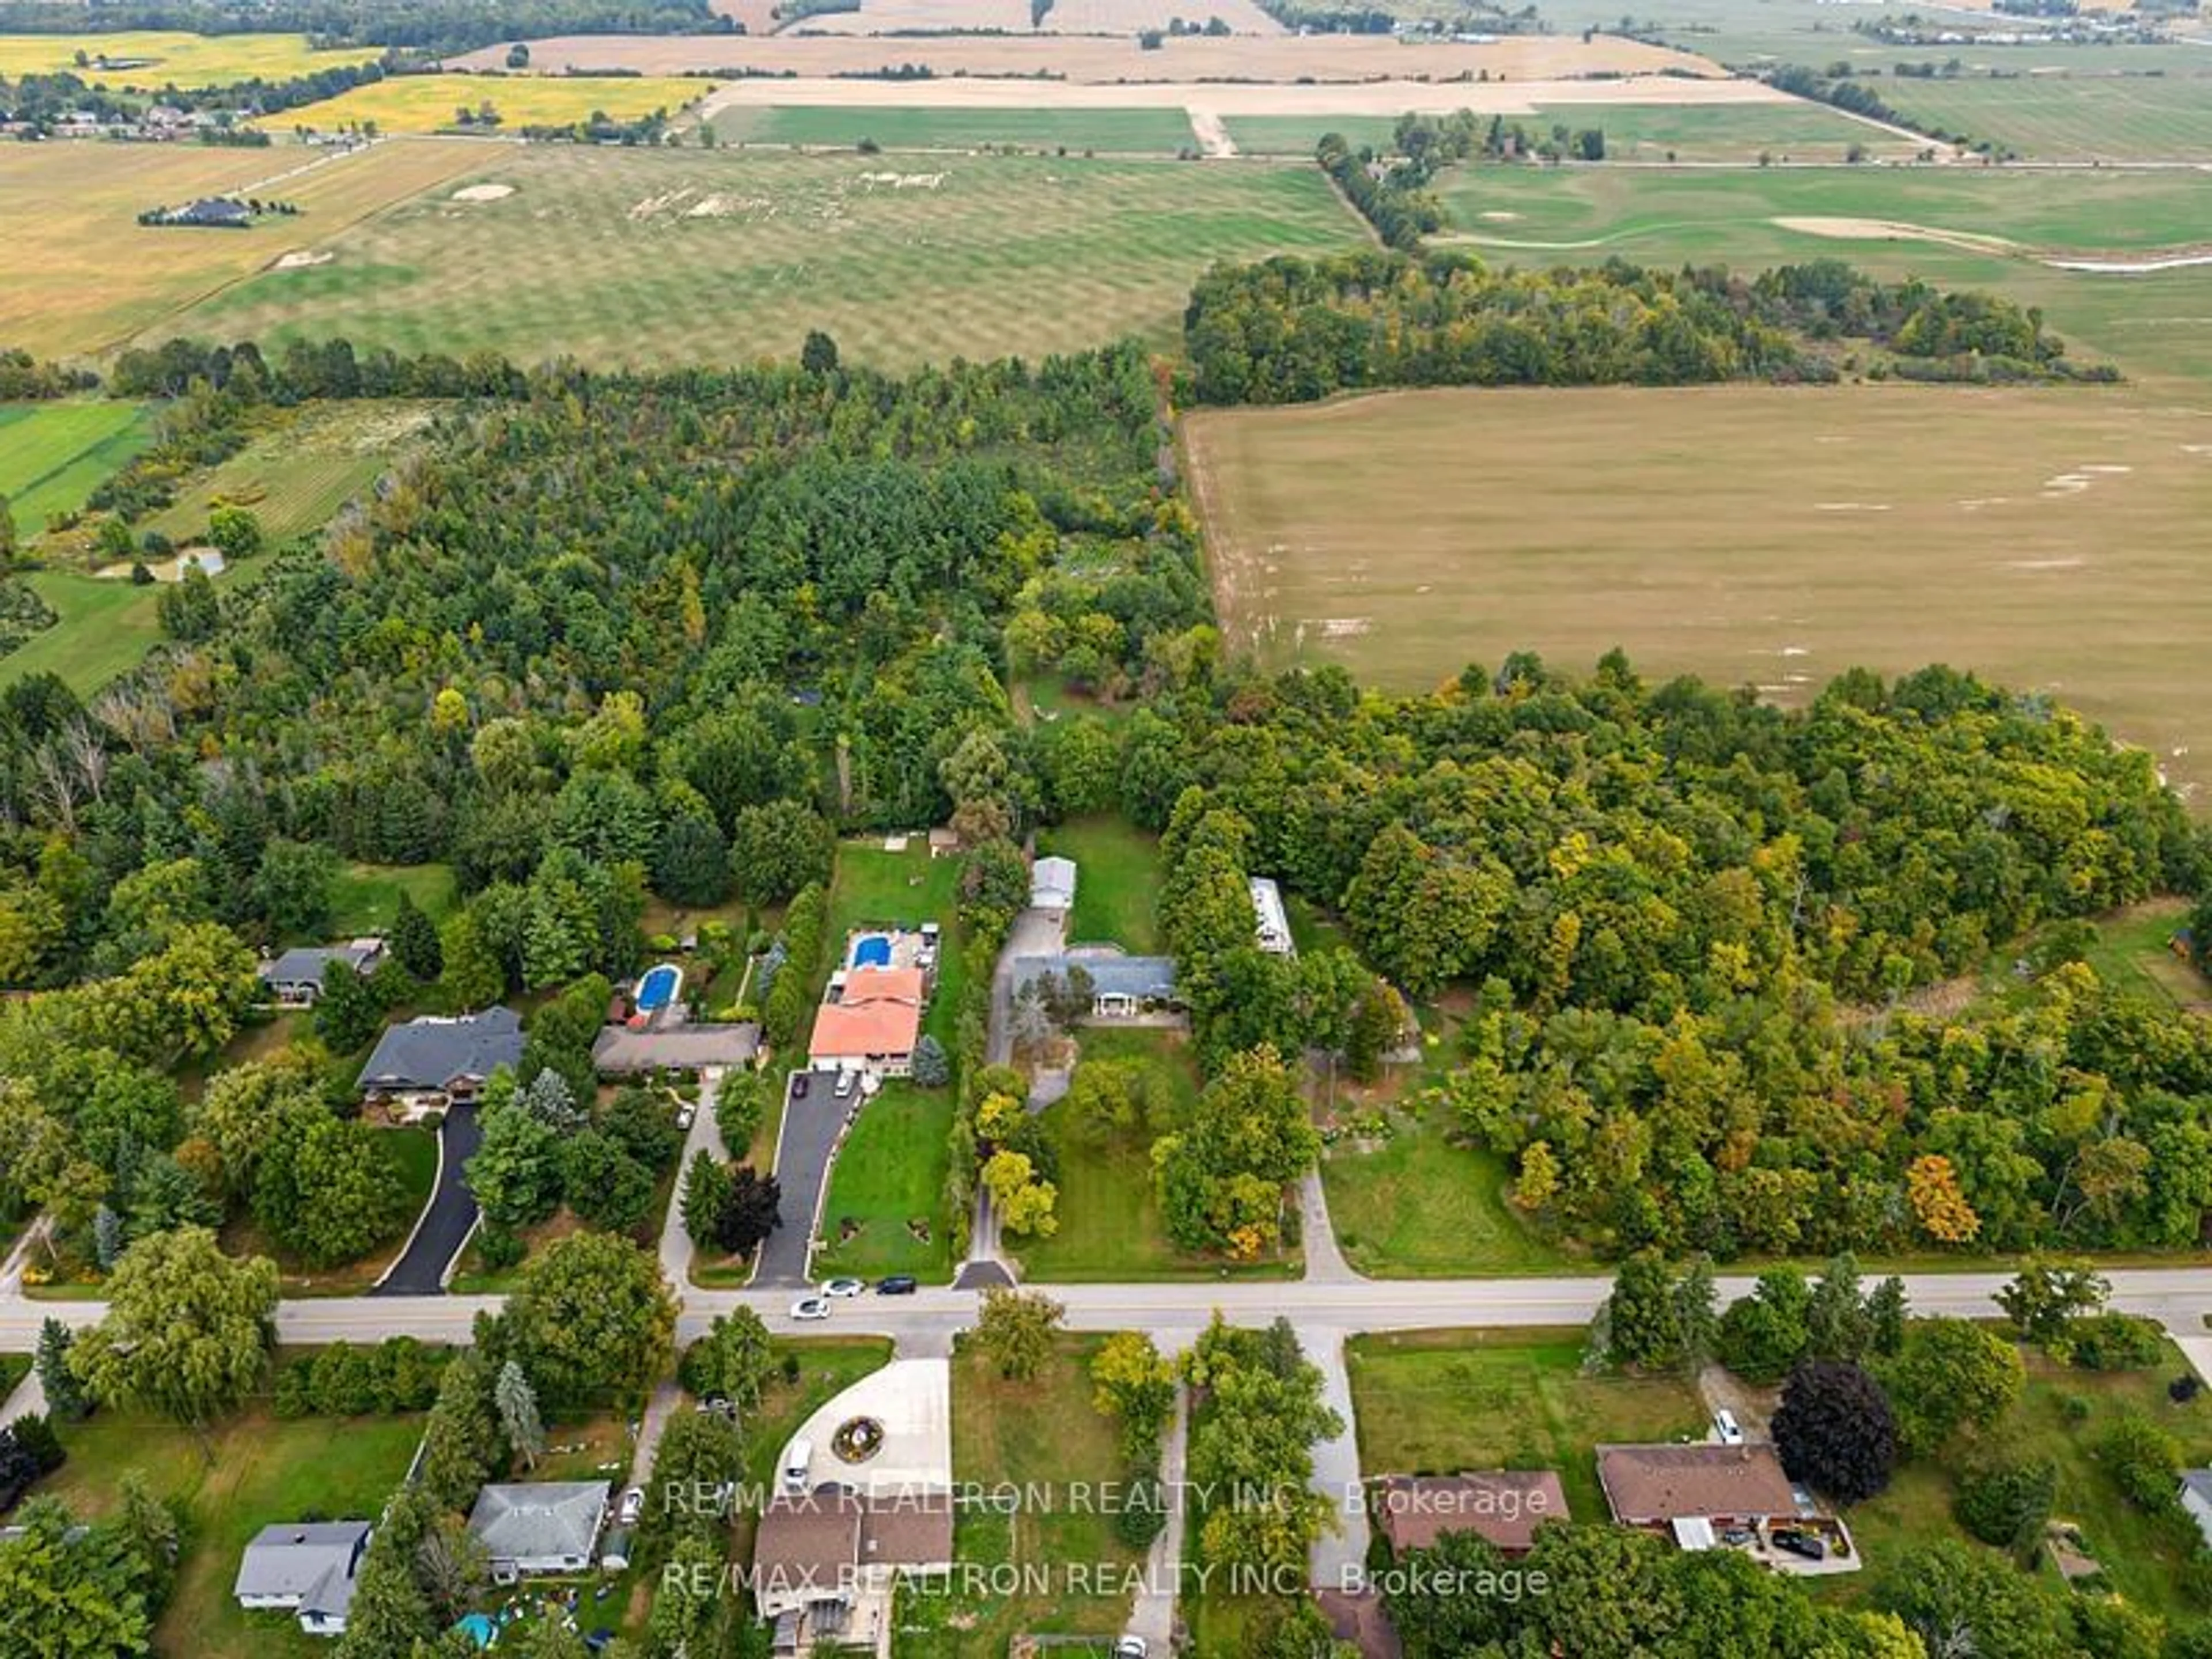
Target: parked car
point(842, 1287)
point(1725, 1429)
point(685, 1114)
point(798, 1082)
point(1799, 1543)
point(1738, 1536)
point(897, 1284)
point(1131, 1647)
point(811, 1307)
point(844, 1084)
point(633, 1506)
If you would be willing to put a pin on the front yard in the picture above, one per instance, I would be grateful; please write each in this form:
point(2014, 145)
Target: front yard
point(885, 1209)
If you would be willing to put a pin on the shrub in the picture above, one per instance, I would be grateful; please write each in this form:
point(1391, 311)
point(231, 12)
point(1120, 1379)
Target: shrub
point(2005, 1504)
point(2117, 1342)
point(2143, 1460)
point(1143, 1514)
point(498, 1249)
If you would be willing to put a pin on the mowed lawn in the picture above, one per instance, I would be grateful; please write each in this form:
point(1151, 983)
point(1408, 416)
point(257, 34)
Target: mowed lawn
point(1045, 1441)
point(152, 58)
point(657, 257)
point(887, 1187)
point(1117, 882)
point(1419, 1206)
point(365, 896)
point(79, 275)
point(54, 455)
point(264, 1471)
point(1757, 535)
point(2070, 118)
point(433, 103)
point(1437, 1402)
point(1113, 131)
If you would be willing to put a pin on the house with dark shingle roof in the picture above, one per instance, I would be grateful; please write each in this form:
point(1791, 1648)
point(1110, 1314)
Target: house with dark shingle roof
point(1122, 987)
point(306, 1568)
point(296, 979)
point(431, 1063)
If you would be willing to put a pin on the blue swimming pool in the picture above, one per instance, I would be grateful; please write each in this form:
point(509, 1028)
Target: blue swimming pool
point(659, 988)
point(872, 950)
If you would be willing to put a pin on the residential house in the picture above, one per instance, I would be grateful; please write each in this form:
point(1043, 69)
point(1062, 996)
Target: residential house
point(306, 1568)
point(1272, 928)
point(1504, 1506)
point(1122, 987)
point(869, 1022)
point(216, 212)
point(431, 1063)
point(1052, 885)
point(539, 1529)
point(824, 1563)
point(296, 979)
point(1692, 1491)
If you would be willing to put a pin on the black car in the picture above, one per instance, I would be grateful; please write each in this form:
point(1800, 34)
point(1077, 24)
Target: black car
point(1800, 1543)
point(897, 1284)
point(799, 1085)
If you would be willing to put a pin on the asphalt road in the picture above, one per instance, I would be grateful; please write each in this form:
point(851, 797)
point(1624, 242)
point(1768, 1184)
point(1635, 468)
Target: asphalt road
point(443, 1226)
point(805, 1144)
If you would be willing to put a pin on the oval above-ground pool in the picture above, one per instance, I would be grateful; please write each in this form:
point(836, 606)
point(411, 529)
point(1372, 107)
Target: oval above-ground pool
point(659, 988)
point(872, 950)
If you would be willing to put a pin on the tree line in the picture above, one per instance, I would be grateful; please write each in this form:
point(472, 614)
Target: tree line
point(428, 28)
point(1288, 329)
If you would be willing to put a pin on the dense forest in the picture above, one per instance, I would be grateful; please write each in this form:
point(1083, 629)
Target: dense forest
point(1694, 921)
point(1288, 329)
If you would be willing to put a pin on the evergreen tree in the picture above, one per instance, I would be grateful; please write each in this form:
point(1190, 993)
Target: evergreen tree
point(518, 1413)
point(415, 945)
point(66, 1396)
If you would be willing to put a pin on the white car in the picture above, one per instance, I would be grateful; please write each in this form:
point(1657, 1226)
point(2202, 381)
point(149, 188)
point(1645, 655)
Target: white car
point(811, 1307)
point(685, 1114)
point(843, 1287)
point(1725, 1429)
point(1131, 1647)
point(844, 1084)
point(633, 1506)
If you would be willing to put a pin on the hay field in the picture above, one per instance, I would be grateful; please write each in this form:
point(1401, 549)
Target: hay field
point(186, 60)
point(78, 275)
point(430, 103)
point(1282, 59)
point(2078, 118)
point(1160, 131)
point(688, 255)
point(1761, 536)
point(1101, 17)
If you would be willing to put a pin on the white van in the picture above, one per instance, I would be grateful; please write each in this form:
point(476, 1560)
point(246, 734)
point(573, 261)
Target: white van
point(1724, 1428)
point(798, 1466)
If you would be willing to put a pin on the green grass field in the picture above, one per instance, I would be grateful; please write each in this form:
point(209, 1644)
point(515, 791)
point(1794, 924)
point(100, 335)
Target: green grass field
point(264, 1471)
point(154, 58)
point(1039, 1438)
point(432, 103)
point(1111, 132)
point(1759, 535)
point(294, 476)
point(367, 895)
point(660, 256)
point(14, 1368)
point(889, 1177)
point(54, 455)
point(1437, 1402)
point(1117, 882)
point(2076, 118)
point(873, 888)
point(1796, 131)
point(1421, 1206)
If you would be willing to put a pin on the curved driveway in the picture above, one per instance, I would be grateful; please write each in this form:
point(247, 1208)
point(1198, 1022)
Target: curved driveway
point(446, 1221)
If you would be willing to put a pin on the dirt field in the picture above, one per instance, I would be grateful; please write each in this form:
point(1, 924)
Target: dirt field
point(1285, 60)
point(1101, 17)
point(1759, 536)
point(78, 274)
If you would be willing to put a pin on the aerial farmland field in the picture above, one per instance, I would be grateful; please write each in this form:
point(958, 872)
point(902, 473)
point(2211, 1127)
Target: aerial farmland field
point(2084, 117)
point(152, 58)
point(54, 455)
point(431, 103)
point(78, 274)
point(1794, 130)
point(1759, 536)
point(691, 256)
point(1115, 131)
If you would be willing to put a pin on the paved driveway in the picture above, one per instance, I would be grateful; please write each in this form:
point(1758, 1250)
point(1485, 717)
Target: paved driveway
point(444, 1225)
point(803, 1147)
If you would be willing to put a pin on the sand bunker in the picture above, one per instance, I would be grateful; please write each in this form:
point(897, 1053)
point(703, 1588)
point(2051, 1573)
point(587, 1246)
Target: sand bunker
point(1499, 216)
point(904, 181)
point(1890, 230)
point(484, 192)
point(2143, 265)
point(300, 259)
